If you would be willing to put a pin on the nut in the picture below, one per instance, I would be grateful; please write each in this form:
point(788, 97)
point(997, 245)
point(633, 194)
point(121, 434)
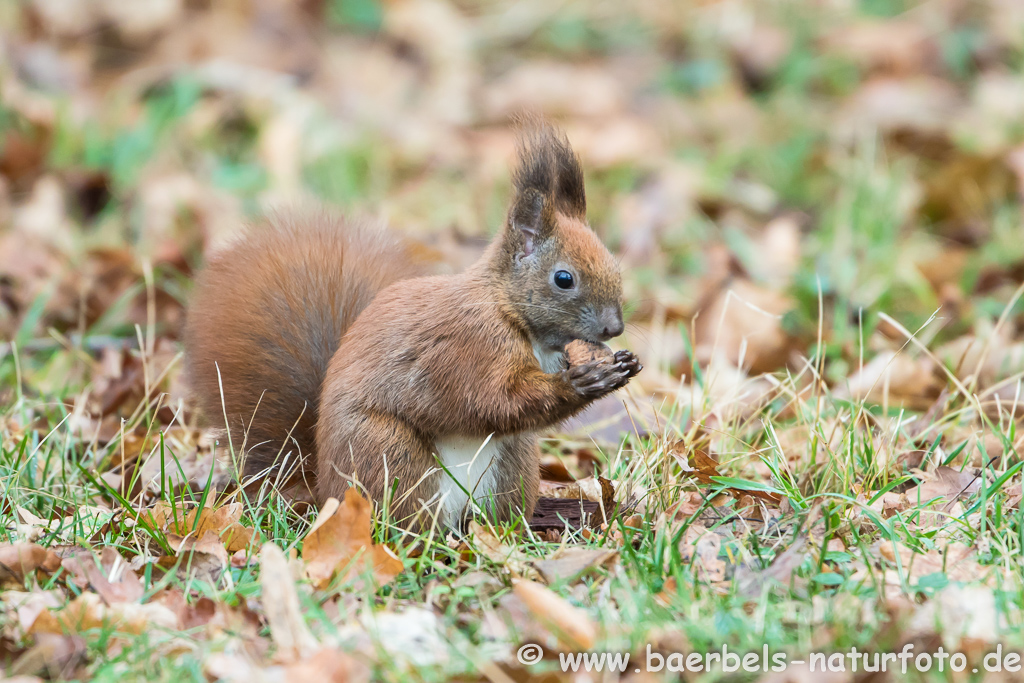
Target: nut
point(581, 352)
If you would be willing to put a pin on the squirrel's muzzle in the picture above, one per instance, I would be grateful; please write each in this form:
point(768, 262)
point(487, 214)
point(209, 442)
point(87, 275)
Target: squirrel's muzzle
point(611, 323)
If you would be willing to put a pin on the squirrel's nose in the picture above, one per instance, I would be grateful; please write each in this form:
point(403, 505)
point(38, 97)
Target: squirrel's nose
point(611, 320)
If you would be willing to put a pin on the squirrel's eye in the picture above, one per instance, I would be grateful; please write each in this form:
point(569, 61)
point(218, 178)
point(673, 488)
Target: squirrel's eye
point(564, 279)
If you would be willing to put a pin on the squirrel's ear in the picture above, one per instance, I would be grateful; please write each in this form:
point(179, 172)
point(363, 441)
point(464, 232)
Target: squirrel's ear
point(526, 221)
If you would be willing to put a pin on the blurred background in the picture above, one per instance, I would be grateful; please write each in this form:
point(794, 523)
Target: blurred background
point(775, 175)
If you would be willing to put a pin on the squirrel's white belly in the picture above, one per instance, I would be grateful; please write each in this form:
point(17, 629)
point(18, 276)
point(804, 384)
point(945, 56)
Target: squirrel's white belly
point(550, 360)
point(472, 467)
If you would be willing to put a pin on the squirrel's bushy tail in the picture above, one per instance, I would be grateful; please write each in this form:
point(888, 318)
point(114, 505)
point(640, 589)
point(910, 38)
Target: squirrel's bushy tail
point(267, 314)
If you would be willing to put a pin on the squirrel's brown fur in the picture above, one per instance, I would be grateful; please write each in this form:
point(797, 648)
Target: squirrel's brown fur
point(435, 392)
point(266, 315)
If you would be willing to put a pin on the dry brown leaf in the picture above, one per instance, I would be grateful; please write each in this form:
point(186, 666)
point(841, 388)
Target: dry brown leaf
point(569, 564)
point(340, 541)
point(896, 378)
point(222, 521)
point(213, 618)
point(955, 560)
point(514, 560)
point(606, 419)
point(442, 37)
point(668, 591)
point(553, 88)
point(920, 104)
point(19, 560)
point(28, 264)
point(760, 52)
point(686, 507)
point(892, 46)
point(203, 557)
point(750, 582)
point(20, 609)
point(109, 575)
point(88, 611)
point(778, 251)
point(703, 468)
point(52, 655)
point(139, 20)
point(329, 665)
point(1014, 494)
point(66, 19)
point(571, 625)
point(967, 612)
point(743, 325)
point(281, 606)
point(984, 359)
point(701, 548)
point(413, 635)
point(236, 667)
point(946, 483)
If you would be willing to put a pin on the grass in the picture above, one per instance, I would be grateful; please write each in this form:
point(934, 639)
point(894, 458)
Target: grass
point(857, 554)
point(831, 487)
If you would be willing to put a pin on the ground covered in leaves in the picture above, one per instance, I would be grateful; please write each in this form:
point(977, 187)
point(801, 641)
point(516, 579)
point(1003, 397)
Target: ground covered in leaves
point(817, 207)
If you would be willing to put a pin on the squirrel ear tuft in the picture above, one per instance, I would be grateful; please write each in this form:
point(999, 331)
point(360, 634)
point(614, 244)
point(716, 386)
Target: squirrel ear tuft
point(526, 220)
point(548, 165)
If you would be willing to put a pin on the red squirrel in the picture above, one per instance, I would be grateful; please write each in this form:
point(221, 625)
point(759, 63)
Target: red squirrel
point(319, 337)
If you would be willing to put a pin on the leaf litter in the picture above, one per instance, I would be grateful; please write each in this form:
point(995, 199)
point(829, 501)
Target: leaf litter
point(863, 472)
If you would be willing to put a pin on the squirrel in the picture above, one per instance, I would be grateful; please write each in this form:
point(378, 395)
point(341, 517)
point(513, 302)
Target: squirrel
point(325, 337)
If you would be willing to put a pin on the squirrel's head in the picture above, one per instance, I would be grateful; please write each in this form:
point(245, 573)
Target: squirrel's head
point(560, 278)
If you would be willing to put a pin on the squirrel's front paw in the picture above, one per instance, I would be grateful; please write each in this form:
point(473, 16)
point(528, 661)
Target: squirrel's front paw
point(599, 378)
point(629, 361)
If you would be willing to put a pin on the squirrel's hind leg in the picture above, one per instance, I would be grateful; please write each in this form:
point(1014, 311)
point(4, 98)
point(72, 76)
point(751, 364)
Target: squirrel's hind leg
point(388, 461)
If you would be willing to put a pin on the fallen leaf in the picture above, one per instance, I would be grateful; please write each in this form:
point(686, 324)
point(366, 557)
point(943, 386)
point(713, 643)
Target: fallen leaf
point(750, 582)
point(329, 665)
point(203, 557)
point(20, 560)
point(569, 564)
point(88, 611)
point(571, 625)
point(21, 609)
point(413, 635)
point(895, 378)
point(281, 606)
point(55, 656)
point(213, 619)
point(222, 521)
point(759, 52)
point(742, 324)
point(958, 612)
point(1014, 494)
point(109, 575)
point(704, 468)
point(553, 88)
point(946, 483)
point(984, 359)
point(956, 561)
point(511, 558)
point(139, 20)
point(891, 46)
point(701, 547)
point(668, 591)
point(340, 541)
point(920, 103)
point(778, 251)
